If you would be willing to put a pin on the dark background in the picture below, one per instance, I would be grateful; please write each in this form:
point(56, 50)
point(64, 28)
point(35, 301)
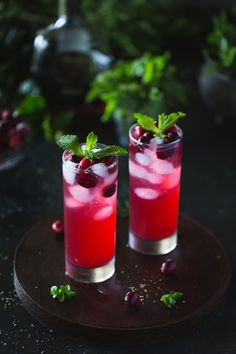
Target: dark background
point(33, 191)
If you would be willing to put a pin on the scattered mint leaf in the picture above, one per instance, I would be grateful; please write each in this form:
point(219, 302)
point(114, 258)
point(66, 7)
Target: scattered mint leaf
point(171, 299)
point(70, 143)
point(62, 292)
point(91, 141)
point(112, 150)
point(158, 127)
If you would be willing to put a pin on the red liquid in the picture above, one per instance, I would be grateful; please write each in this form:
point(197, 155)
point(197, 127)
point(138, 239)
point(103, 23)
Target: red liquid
point(90, 223)
point(155, 219)
point(154, 192)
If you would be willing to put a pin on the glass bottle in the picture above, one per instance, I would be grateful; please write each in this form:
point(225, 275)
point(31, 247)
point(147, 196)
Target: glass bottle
point(65, 61)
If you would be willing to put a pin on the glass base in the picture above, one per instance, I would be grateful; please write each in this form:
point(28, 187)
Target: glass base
point(91, 275)
point(153, 247)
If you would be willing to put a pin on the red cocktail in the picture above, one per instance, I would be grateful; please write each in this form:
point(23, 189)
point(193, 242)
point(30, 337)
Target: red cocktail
point(90, 192)
point(154, 170)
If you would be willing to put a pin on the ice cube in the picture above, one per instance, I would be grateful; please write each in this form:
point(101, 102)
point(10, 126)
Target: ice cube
point(81, 194)
point(104, 212)
point(146, 193)
point(163, 167)
point(142, 159)
point(111, 178)
point(140, 172)
point(173, 179)
point(71, 202)
point(99, 169)
point(68, 173)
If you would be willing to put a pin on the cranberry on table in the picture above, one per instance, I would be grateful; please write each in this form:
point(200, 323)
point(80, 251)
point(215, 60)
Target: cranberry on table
point(168, 267)
point(132, 298)
point(109, 190)
point(57, 227)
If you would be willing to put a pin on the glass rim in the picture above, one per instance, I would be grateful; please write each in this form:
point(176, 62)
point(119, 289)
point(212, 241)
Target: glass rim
point(74, 165)
point(159, 146)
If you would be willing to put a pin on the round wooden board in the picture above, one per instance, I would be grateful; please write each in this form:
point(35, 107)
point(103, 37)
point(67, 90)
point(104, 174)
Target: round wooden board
point(98, 310)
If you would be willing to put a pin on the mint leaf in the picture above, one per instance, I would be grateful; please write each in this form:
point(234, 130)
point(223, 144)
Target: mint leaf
point(91, 141)
point(111, 150)
point(62, 292)
point(70, 143)
point(146, 122)
point(171, 299)
point(164, 122)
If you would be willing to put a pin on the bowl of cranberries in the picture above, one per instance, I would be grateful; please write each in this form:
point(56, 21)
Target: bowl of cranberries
point(14, 134)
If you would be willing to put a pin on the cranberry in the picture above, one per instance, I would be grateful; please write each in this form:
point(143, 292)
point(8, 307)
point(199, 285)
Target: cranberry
point(108, 191)
point(171, 136)
point(23, 129)
point(168, 267)
point(164, 153)
point(132, 298)
point(137, 132)
point(109, 160)
point(85, 163)
point(87, 180)
point(146, 137)
point(57, 227)
point(14, 140)
point(6, 114)
point(74, 158)
point(135, 148)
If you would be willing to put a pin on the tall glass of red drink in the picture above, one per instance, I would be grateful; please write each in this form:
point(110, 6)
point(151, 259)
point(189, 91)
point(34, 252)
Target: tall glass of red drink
point(90, 193)
point(154, 170)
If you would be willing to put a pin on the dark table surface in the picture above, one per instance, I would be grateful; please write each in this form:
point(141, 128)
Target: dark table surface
point(33, 191)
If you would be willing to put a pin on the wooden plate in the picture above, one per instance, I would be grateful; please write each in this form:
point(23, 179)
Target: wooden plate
point(203, 274)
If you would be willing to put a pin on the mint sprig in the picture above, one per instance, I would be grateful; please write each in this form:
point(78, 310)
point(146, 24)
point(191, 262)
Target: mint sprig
point(71, 143)
point(170, 300)
point(159, 127)
point(91, 141)
point(62, 292)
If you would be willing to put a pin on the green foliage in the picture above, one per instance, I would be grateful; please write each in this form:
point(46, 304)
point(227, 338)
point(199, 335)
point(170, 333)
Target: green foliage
point(222, 44)
point(128, 29)
point(33, 107)
point(19, 21)
point(164, 122)
point(146, 84)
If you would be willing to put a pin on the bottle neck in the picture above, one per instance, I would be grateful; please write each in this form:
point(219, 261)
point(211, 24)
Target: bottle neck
point(69, 9)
